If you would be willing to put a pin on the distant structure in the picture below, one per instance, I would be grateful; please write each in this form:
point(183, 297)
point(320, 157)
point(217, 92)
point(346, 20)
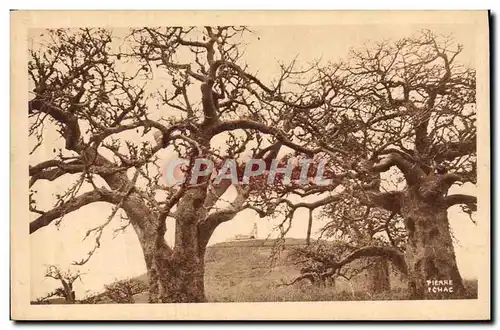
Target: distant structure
point(252, 235)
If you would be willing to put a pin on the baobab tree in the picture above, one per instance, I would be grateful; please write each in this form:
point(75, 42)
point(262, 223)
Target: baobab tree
point(107, 94)
point(405, 115)
point(354, 240)
point(66, 279)
point(360, 226)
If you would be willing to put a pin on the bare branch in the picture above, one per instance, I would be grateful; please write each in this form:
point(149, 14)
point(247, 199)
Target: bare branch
point(390, 201)
point(457, 199)
point(411, 172)
point(72, 205)
point(248, 124)
point(452, 150)
point(71, 128)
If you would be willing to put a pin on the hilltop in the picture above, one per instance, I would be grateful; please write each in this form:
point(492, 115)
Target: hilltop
point(240, 271)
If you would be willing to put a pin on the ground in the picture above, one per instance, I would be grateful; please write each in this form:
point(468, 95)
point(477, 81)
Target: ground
point(239, 271)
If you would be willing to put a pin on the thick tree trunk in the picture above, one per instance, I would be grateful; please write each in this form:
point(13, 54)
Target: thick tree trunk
point(175, 278)
point(185, 282)
point(69, 294)
point(174, 274)
point(430, 255)
point(379, 277)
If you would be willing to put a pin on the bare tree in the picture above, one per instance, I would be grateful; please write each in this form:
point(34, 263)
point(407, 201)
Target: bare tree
point(66, 279)
point(123, 291)
point(406, 109)
point(328, 260)
point(362, 226)
point(107, 96)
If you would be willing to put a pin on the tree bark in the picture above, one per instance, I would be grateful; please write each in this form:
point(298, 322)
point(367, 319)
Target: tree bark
point(175, 278)
point(185, 281)
point(379, 277)
point(429, 252)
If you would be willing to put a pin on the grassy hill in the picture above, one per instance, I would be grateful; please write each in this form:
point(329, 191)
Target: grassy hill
point(239, 271)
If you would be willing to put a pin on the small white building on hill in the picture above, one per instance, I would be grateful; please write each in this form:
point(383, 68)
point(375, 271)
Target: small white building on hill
point(253, 235)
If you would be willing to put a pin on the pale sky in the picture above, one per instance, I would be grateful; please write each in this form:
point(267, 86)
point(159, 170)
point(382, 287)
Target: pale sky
point(121, 257)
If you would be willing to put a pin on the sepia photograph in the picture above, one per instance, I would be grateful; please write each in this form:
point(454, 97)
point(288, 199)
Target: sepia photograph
point(250, 165)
